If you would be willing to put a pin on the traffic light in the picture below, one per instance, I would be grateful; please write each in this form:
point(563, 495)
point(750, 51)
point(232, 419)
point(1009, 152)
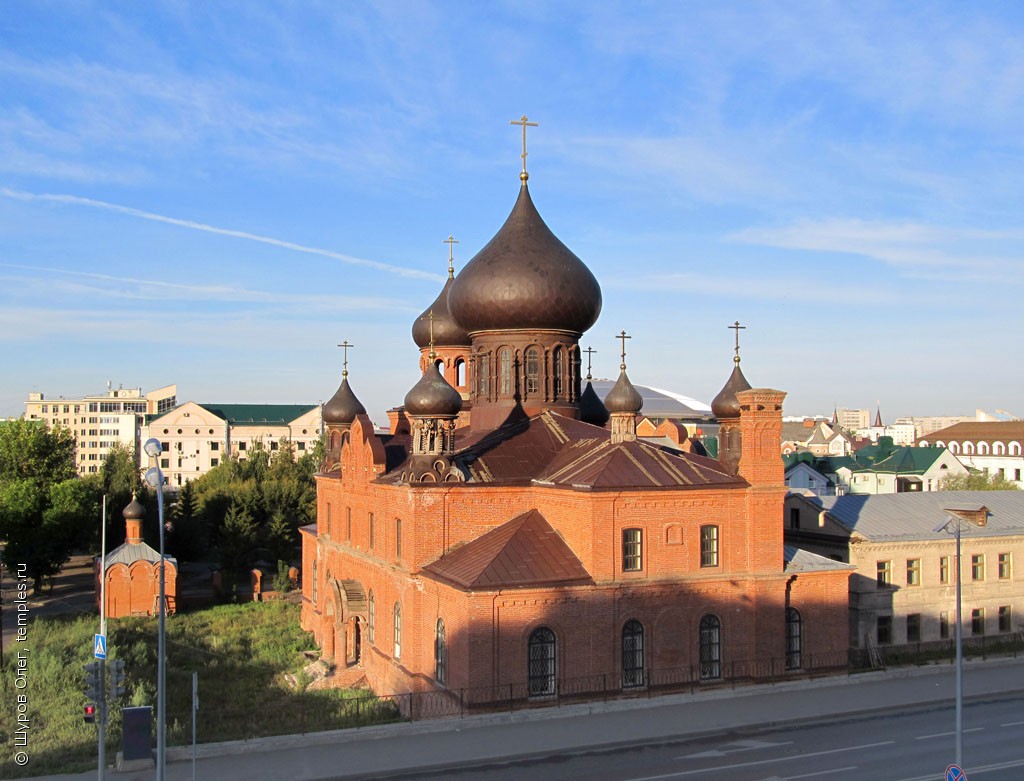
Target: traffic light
point(90, 713)
point(116, 679)
point(94, 680)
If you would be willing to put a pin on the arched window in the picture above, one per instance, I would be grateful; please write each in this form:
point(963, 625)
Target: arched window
point(505, 371)
point(398, 631)
point(1015, 448)
point(558, 372)
point(398, 538)
point(439, 365)
point(541, 662)
point(460, 373)
point(632, 654)
point(983, 448)
point(710, 648)
point(440, 654)
point(484, 376)
point(532, 370)
point(371, 617)
point(998, 449)
point(316, 585)
point(954, 448)
point(968, 448)
point(794, 639)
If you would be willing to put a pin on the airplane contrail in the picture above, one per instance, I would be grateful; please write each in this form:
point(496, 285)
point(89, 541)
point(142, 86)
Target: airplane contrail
point(199, 226)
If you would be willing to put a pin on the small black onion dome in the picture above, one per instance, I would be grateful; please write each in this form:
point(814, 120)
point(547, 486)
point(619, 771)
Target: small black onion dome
point(726, 405)
point(447, 333)
point(592, 409)
point(343, 406)
point(134, 511)
point(623, 397)
point(433, 397)
point(525, 278)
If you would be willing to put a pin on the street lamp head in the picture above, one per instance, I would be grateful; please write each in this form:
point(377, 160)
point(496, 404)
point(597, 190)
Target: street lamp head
point(153, 477)
point(152, 448)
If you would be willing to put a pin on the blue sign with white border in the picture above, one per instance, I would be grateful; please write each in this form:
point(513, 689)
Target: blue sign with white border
point(99, 648)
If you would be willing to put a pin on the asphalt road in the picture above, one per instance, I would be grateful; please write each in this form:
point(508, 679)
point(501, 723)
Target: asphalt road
point(907, 745)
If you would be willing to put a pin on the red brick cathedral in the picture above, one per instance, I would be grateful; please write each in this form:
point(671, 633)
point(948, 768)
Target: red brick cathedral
point(512, 537)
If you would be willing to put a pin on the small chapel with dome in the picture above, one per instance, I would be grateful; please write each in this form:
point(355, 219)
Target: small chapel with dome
point(511, 537)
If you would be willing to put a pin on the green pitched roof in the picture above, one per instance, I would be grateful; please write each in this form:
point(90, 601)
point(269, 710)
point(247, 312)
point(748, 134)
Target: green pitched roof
point(258, 414)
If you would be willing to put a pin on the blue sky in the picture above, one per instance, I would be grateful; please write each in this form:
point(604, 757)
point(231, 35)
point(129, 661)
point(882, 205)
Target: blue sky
point(217, 194)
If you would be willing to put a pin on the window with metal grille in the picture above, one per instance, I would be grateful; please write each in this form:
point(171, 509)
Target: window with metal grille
point(709, 546)
point(505, 371)
point(532, 370)
point(794, 639)
point(484, 376)
point(632, 654)
point(710, 648)
point(557, 369)
point(398, 631)
point(440, 654)
point(541, 662)
point(632, 550)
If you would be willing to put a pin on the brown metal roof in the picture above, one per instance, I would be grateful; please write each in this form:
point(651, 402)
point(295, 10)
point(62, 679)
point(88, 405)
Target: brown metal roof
point(526, 551)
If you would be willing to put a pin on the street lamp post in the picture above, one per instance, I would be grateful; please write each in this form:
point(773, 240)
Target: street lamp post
point(952, 524)
point(155, 477)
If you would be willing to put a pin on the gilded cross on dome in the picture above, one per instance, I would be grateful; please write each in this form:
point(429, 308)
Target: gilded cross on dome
point(623, 337)
point(737, 328)
point(344, 346)
point(589, 351)
point(451, 241)
point(525, 123)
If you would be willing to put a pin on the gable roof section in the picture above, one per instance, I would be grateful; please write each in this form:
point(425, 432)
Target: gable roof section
point(915, 515)
point(550, 449)
point(526, 551)
point(258, 414)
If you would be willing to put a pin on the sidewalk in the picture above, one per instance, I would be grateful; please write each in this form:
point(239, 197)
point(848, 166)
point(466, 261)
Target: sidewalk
point(392, 749)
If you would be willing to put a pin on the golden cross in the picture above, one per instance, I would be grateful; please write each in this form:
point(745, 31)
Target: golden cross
point(344, 346)
point(524, 176)
point(451, 241)
point(737, 328)
point(623, 337)
point(589, 351)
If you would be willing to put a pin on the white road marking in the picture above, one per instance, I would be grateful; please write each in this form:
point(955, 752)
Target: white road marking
point(821, 773)
point(947, 734)
point(709, 770)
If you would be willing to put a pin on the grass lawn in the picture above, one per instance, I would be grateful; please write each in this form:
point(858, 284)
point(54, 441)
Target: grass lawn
point(242, 654)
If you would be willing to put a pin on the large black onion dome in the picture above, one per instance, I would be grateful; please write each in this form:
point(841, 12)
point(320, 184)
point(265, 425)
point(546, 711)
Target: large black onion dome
point(343, 406)
point(725, 404)
point(525, 278)
point(134, 511)
point(447, 333)
point(623, 397)
point(433, 397)
point(592, 409)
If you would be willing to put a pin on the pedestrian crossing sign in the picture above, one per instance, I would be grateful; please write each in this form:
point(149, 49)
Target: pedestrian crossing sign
point(99, 648)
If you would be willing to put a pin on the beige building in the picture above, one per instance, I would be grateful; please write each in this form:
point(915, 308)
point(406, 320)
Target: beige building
point(197, 437)
point(904, 588)
point(992, 447)
point(99, 422)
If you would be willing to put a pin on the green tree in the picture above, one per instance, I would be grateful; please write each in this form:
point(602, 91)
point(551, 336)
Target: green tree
point(977, 481)
point(45, 511)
